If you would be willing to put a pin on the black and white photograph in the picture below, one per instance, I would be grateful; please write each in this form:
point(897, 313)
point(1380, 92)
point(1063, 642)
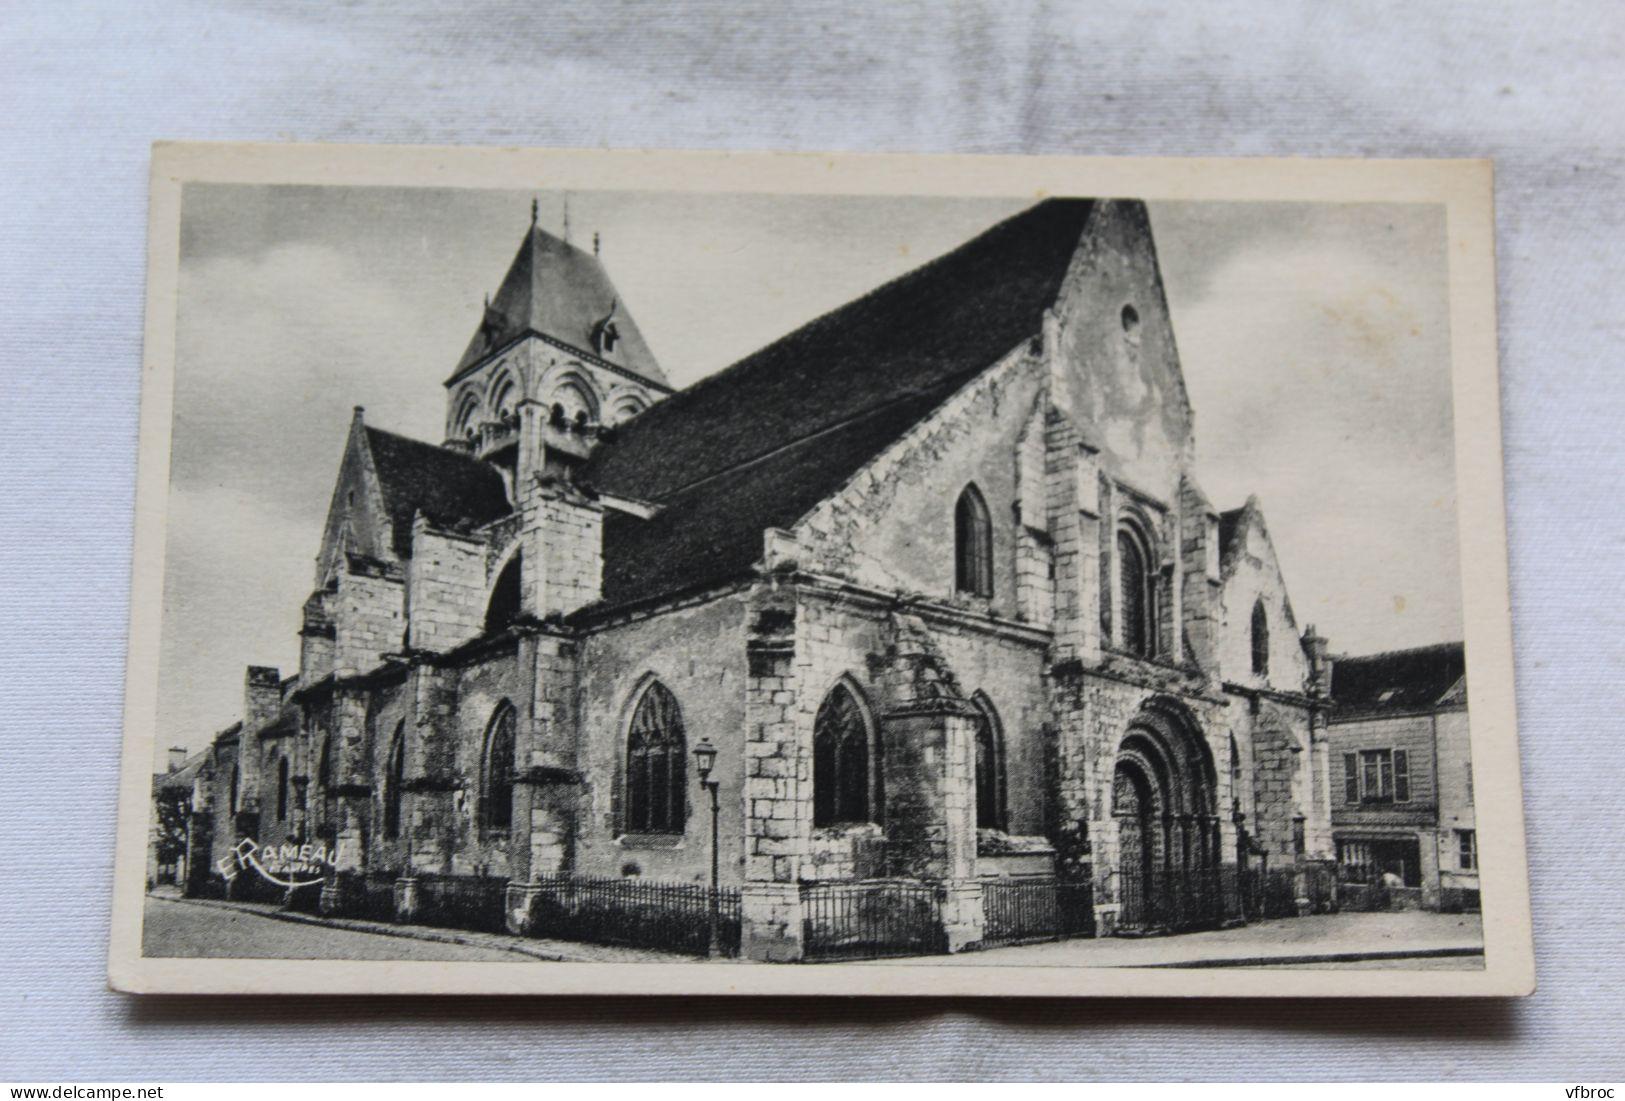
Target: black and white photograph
point(840, 575)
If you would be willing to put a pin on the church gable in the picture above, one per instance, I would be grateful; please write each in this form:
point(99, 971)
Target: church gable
point(357, 516)
point(1256, 611)
point(937, 511)
point(1117, 373)
point(762, 443)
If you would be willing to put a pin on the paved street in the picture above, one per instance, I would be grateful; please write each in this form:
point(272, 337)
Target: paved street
point(174, 928)
point(1269, 942)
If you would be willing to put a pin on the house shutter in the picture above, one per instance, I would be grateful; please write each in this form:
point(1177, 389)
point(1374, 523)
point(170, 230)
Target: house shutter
point(1402, 776)
point(1351, 778)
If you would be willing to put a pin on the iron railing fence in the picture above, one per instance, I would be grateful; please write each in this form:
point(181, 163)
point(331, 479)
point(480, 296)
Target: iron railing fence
point(305, 899)
point(870, 920)
point(1018, 911)
point(1169, 900)
point(640, 913)
point(475, 902)
point(375, 896)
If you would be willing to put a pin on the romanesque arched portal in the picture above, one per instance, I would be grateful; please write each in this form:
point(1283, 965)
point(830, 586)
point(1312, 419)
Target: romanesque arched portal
point(1165, 805)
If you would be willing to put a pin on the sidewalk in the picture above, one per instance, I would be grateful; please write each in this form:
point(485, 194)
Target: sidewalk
point(533, 947)
point(1318, 939)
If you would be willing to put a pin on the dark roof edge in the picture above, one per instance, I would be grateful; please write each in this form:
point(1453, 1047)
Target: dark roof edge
point(503, 349)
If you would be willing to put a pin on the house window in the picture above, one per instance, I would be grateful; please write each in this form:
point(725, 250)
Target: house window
point(1377, 776)
point(844, 777)
point(656, 765)
point(973, 545)
point(990, 787)
point(1261, 640)
point(496, 805)
point(1135, 601)
point(282, 790)
point(1467, 850)
point(394, 779)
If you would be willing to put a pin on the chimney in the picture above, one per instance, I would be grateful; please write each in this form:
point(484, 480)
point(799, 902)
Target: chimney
point(262, 696)
point(177, 757)
point(1320, 667)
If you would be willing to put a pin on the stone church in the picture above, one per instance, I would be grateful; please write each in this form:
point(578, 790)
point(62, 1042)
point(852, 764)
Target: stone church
point(933, 575)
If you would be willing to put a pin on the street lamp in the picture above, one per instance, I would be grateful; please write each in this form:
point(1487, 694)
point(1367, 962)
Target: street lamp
point(705, 758)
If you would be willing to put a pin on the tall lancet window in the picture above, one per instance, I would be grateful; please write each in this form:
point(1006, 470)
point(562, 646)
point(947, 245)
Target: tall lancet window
point(394, 782)
point(1261, 640)
point(973, 545)
point(496, 804)
point(845, 777)
point(656, 765)
point(1135, 603)
point(989, 766)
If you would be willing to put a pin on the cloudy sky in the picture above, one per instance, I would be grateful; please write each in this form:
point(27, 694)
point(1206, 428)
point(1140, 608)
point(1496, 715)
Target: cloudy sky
point(1313, 337)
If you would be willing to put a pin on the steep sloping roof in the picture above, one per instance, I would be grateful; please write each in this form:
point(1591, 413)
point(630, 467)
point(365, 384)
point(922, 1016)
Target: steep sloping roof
point(1401, 680)
point(180, 777)
point(450, 488)
point(760, 443)
point(556, 289)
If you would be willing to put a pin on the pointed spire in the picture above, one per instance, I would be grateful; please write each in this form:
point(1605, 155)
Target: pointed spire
point(535, 208)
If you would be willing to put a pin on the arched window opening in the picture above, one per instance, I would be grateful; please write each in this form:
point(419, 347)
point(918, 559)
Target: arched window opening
point(990, 783)
point(324, 766)
point(394, 779)
point(466, 413)
point(973, 545)
point(496, 799)
point(282, 790)
point(503, 399)
point(656, 765)
point(574, 402)
point(503, 608)
point(1261, 640)
point(1135, 595)
point(845, 773)
point(236, 781)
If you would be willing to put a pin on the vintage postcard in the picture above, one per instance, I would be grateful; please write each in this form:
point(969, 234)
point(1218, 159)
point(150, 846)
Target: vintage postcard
point(591, 572)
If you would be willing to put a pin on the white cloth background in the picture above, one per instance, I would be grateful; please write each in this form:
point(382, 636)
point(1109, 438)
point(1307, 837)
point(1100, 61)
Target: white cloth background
point(85, 87)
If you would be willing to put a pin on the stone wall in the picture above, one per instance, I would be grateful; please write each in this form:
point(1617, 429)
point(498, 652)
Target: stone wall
point(698, 652)
point(369, 619)
point(446, 588)
point(892, 525)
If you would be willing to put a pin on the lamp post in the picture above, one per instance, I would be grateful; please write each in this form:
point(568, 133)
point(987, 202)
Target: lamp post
point(705, 758)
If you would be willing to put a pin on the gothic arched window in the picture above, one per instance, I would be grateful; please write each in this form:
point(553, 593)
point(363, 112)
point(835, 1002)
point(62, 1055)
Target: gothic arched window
point(236, 780)
point(1135, 603)
point(395, 777)
point(1261, 640)
point(496, 797)
point(990, 786)
point(282, 790)
point(845, 777)
point(656, 765)
point(973, 545)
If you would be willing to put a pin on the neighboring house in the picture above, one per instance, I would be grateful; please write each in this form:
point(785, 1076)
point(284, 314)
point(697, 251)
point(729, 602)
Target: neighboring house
point(1404, 807)
point(933, 573)
point(167, 840)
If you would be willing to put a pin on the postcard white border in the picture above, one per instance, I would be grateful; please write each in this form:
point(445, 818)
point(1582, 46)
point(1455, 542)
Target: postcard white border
point(1464, 187)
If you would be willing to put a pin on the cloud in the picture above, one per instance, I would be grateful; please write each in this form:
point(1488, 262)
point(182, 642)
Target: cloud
point(1320, 375)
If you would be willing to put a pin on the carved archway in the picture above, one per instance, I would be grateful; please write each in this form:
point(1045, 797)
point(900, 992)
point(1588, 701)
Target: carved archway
point(1164, 801)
